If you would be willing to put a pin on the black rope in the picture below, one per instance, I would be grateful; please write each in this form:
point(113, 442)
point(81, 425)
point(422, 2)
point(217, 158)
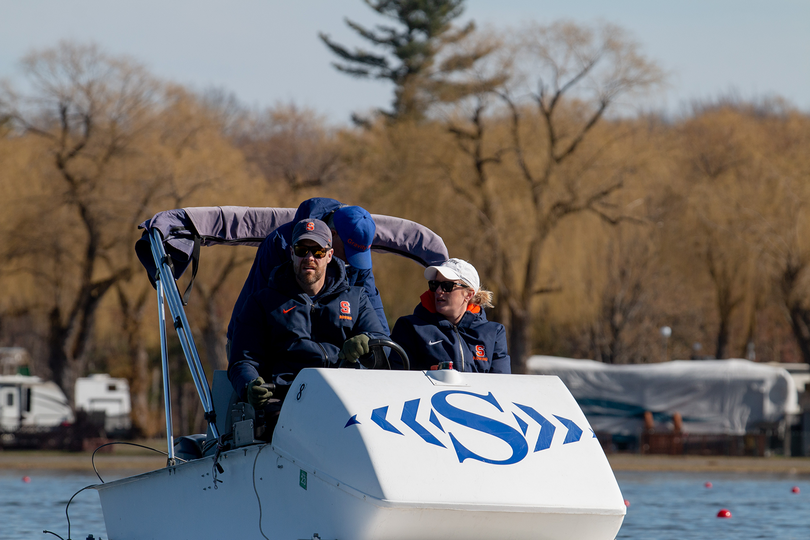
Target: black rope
point(93, 457)
point(67, 515)
point(256, 491)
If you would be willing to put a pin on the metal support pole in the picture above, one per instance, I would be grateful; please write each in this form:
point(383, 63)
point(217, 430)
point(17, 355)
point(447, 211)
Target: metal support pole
point(164, 357)
point(183, 330)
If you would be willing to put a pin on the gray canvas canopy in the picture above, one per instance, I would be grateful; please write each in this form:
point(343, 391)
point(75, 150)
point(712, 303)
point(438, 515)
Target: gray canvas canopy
point(185, 230)
point(713, 396)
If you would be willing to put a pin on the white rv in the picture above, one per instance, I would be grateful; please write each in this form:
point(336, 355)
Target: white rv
point(102, 393)
point(30, 402)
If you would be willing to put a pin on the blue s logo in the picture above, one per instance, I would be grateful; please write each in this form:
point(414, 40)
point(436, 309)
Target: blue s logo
point(508, 434)
point(514, 438)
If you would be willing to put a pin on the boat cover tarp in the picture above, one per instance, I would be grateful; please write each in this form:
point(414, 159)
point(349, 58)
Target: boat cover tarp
point(712, 396)
point(184, 230)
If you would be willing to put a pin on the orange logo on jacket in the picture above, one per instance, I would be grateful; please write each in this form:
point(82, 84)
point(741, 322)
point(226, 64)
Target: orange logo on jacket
point(345, 310)
point(480, 353)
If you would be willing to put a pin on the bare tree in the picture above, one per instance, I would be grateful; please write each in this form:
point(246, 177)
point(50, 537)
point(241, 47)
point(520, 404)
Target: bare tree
point(211, 326)
point(735, 193)
point(580, 74)
point(87, 109)
point(292, 147)
point(111, 146)
point(625, 299)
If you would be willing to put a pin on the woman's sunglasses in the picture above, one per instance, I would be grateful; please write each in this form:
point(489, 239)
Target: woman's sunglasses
point(301, 250)
point(446, 286)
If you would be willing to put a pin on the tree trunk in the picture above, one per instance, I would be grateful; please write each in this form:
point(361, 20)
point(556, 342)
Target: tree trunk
point(214, 337)
point(64, 368)
point(141, 412)
point(722, 339)
point(519, 345)
point(800, 323)
point(57, 362)
point(132, 312)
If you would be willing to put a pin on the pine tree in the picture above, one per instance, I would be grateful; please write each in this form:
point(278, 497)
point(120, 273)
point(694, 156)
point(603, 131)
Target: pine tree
point(409, 54)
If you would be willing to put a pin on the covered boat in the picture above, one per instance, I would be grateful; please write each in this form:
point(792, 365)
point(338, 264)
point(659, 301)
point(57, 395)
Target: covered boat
point(728, 397)
point(362, 453)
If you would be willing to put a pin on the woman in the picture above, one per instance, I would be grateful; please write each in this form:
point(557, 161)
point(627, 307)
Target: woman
point(449, 325)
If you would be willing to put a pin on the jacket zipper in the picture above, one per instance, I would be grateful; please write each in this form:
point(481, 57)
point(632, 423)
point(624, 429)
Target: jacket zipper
point(460, 348)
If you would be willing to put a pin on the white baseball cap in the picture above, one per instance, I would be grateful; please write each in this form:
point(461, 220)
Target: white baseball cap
point(455, 269)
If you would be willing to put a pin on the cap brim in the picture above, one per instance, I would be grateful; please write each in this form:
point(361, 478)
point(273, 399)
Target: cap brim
point(315, 238)
point(432, 271)
point(358, 259)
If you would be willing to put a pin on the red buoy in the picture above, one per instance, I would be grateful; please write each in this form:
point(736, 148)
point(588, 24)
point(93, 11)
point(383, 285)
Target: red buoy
point(795, 489)
point(627, 503)
point(708, 484)
point(723, 513)
point(26, 479)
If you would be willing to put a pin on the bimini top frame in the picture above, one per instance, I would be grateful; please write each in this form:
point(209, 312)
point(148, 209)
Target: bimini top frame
point(171, 242)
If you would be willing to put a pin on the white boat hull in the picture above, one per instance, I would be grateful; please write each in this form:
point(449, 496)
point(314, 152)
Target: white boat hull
point(391, 455)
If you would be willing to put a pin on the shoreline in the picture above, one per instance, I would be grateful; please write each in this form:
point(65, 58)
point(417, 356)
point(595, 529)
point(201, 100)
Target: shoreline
point(125, 459)
point(134, 460)
point(729, 464)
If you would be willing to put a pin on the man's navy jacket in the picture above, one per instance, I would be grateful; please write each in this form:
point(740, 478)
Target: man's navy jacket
point(281, 330)
point(429, 338)
point(275, 249)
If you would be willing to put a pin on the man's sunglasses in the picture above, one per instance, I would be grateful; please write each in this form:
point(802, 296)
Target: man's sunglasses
point(446, 286)
point(301, 250)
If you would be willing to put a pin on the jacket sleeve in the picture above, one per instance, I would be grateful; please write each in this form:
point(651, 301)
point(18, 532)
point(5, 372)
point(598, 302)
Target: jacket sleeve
point(247, 350)
point(309, 352)
point(501, 363)
point(406, 337)
point(267, 258)
point(365, 279)
point(368, 321)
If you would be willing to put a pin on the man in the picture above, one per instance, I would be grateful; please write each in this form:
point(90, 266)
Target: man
point(353, 231)
point(307, 316)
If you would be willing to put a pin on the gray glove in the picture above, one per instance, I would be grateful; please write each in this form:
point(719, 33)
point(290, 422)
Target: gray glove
point(354, 348)
point(256, 395)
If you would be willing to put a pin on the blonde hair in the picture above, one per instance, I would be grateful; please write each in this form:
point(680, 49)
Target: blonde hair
point(482, 298)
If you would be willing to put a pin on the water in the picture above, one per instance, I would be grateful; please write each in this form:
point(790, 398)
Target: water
point(28, 508)
point(663, 506)
point(670, 506)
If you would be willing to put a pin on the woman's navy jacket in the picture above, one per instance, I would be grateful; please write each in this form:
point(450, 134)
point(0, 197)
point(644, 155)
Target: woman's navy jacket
point(475, 343)
point(281, 330)
point(275, 250)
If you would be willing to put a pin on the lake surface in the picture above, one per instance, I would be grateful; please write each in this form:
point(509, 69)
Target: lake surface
point(663, 506)
point(670, 506)
point(28, 508)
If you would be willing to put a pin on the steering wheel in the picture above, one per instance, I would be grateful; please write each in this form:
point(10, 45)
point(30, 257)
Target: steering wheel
point(376, 359)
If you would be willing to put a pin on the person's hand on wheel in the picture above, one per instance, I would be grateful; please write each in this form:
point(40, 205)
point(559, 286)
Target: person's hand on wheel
point(354, 348)
point(256, 395)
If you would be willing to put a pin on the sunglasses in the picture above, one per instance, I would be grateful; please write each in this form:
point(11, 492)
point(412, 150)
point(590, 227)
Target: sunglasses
point(301, 250)
point(446, 286)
